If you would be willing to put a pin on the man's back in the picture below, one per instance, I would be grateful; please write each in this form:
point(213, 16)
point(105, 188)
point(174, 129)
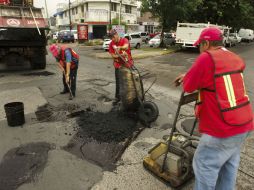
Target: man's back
point(202, 76)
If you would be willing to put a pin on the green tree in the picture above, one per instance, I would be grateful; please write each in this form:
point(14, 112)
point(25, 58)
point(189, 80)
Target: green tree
point(234, 13)
point(169, 12)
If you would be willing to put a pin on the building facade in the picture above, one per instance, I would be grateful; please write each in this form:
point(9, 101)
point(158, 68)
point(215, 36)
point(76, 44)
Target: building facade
point(147, 23)
point(97, 14)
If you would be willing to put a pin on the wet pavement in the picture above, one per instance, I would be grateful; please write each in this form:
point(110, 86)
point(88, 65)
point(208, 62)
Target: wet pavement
point(95, 147)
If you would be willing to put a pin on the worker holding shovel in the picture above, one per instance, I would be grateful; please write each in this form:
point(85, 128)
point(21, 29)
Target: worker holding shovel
point(67, 60)
point(121, 46)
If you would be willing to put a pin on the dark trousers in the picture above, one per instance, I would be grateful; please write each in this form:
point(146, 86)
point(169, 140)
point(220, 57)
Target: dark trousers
point(117, 94)
point(72, 83)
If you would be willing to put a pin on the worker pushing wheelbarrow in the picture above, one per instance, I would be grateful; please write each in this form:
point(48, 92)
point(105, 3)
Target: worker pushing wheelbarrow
point(129, 85)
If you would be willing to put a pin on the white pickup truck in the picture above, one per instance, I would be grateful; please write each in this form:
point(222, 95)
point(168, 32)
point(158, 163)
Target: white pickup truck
point(188, 33)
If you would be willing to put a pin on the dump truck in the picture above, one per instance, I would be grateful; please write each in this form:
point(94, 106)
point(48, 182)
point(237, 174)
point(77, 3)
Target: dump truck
point(22, 34)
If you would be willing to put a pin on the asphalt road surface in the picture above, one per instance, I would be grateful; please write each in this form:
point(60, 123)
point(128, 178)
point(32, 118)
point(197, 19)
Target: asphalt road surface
point(65, 167)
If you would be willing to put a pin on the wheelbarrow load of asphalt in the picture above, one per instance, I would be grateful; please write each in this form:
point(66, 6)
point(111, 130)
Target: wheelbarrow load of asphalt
point(23, 164)
point(103, 137)
point(132, 95)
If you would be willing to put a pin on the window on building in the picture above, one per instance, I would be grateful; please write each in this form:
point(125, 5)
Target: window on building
point(128, 21)
point(73, 11)
point(61, 16)
point(127, 8)
point(76, 10)
point(113, 6)
point(87, 7)
point(149, 29)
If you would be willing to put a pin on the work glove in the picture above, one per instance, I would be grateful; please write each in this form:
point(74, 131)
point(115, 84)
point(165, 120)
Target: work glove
point(179, 80)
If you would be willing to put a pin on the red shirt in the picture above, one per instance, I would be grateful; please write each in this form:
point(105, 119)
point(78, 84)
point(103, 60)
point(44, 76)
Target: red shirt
point(201, 75)
point(120, 62)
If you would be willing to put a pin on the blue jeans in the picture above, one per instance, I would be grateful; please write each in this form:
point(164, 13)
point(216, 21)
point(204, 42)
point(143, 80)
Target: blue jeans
point(216, 162)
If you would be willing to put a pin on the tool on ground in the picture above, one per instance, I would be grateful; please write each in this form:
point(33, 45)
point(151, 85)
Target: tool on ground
point(147, 111)
point(172, 160)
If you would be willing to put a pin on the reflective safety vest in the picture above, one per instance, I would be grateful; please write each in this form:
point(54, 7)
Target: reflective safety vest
point(74, 55)
point(229, 88)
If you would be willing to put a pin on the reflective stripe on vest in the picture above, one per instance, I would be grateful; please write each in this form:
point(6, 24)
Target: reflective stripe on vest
point(73, 54)
point(229, 87)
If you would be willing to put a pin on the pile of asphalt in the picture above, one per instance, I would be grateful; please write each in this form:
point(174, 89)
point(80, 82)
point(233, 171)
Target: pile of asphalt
point(50, 113)
point(22, 164)
point(42, 73)
point(101, 138)
point(112, 126)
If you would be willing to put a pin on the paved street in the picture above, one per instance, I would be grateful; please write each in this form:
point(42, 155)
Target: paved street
point(66, 168)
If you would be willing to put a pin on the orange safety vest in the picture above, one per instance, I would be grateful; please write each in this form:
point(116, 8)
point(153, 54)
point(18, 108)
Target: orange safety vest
point(63, 59)
point(229, 88)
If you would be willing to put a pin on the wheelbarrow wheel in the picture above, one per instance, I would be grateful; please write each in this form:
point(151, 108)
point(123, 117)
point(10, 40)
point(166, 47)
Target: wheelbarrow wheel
point(148, 112)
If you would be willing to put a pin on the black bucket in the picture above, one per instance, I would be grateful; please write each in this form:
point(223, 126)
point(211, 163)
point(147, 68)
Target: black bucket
point(15, 113)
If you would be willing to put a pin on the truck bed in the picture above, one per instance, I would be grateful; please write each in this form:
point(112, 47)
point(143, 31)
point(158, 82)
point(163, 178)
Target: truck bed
point(21, 17)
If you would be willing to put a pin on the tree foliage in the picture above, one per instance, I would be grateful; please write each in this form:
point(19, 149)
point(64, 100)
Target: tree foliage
point(170, 11)
point(234, 13)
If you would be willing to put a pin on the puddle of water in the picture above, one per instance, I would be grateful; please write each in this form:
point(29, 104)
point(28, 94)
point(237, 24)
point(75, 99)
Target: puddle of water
point(22, 164)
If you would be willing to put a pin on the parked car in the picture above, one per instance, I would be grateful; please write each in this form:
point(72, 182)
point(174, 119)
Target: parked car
point(65, 36)
point(75, 33)
point(145, 36)
point(152, 35)
point(168, 40)
point(106, 42)
point(247, 35)
point(134, 39)
point(234, 38)
point(55, 35)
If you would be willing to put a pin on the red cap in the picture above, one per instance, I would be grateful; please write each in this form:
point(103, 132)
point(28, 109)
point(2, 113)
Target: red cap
point(112, 33)
point(54, 49)
point(210, 34)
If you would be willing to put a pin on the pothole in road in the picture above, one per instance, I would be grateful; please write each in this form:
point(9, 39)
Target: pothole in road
point(104, 98)
point(43, 73)
point(103, 137)
point(99, 82)
point(22, 164)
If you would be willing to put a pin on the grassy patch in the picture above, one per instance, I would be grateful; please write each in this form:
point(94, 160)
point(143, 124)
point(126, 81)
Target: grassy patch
point(93, 43)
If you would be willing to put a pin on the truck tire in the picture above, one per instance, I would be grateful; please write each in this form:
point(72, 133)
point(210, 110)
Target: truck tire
point(38, 62)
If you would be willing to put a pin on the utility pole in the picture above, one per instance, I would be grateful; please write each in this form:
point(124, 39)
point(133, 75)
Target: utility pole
point(110, 22)
point(70, 14)
point(120, 12)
